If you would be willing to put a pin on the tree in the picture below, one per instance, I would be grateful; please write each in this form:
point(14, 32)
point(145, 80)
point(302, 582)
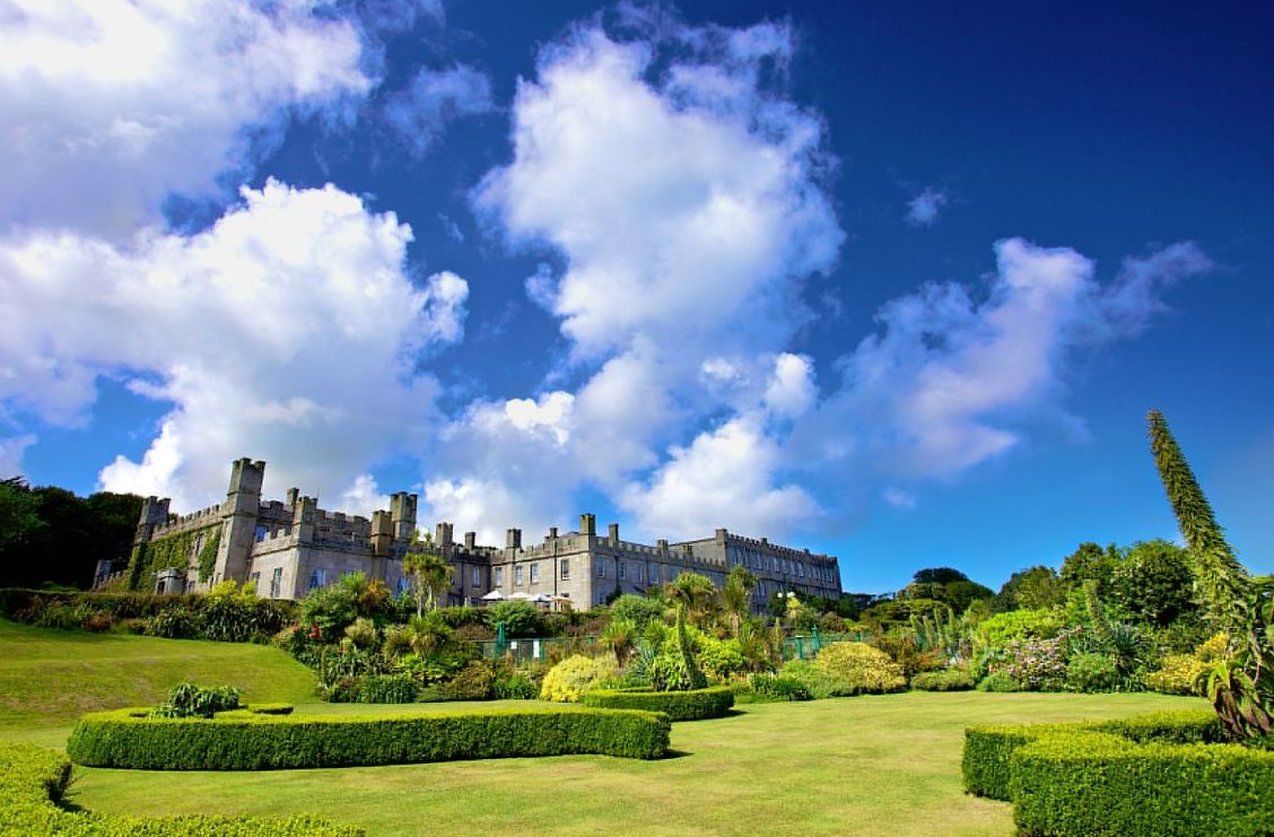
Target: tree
point(1031, 589)
point(429, 572)
point(1154, 582)
point(696, 594)
point(946, 585)
point(620, 636)
point(736, 595)
point(1240, 686)
point(938, 575)
point(18, 516)
point(1090, 561)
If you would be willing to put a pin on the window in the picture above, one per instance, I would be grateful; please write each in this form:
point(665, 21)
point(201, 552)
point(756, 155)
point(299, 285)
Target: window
point(261, 530)
point(499, 577)
point(619, 569)
point(517, 576)
point(404, 584)
point(601, 567)
point(535, 572)
point(566, 569)
point(475, 577)
point(256, 582)
point(276, 583)
point(318, 578)
point(641, 573)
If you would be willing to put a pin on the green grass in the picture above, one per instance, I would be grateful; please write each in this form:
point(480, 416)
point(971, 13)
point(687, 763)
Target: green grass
point(885, 764)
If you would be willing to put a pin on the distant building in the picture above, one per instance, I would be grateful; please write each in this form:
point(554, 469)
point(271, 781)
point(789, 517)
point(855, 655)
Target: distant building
point(287, 548)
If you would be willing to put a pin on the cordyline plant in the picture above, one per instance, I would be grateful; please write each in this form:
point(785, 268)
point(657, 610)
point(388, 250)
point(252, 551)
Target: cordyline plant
point(1240, 683)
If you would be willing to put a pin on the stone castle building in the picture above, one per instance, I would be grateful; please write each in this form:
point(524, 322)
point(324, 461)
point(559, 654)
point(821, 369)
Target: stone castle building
point(287, 548)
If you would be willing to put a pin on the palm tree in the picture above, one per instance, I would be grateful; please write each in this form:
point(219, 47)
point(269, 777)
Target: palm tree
point(620, 637)
point(736, 594)
point(429, 572)
point(693, 594)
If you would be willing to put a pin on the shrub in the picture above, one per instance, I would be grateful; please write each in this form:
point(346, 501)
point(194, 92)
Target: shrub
point(566, 681)
point(987, 768)
point(858, 668)
point(1092, 673)
point(174, 623)
point(1002, 628)
point(947, 680)
point(1037, 665)
point(779, 687)
point(1000, 681)
point(712, 702)
point(362, 632)
point(33, 781)
point(521, 619)
point(189, 701)
point(258, 742)
point(514, 686)
point(384, 688)
point(1092, 783)
point(1177, 675)
point(473, 682)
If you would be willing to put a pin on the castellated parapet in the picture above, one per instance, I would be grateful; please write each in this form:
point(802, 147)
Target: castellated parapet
point(287, 548)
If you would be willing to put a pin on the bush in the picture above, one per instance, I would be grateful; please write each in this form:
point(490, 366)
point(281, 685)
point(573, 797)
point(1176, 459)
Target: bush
point(174, 623)
point(987, 768)
point(1000, 681)
point(1092, 673)
point(521, 619)
point(858, 668)
point(1037, 665)
point(947, 680)
point(779, 687)
point(566, 681)
point(473, 682)
point(712, 702)
point(1177, 675)
point(384, 688)
point(514, 686)
point(189, 701)
point(33, 781)
point(1093, 783)
point(259, 742)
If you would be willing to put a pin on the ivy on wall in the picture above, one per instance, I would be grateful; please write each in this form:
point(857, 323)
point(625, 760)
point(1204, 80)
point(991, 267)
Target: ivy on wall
point(170, 551)
point(208, 555)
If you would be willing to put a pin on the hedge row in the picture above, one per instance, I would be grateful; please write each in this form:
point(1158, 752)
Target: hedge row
point(32, 781)
point(1156, 774)
point(712, 702)
point(1087, 783)
point(264, 742)
point(988, 750)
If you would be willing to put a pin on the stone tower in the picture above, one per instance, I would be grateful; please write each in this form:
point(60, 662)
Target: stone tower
point(239, 515)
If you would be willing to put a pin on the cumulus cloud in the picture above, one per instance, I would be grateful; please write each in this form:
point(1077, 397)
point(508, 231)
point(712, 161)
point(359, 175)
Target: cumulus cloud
point(683, 193)
point(724, 478)
point(949, 383)
point(434, 98)
point(11, 451)
point(109, 107)
point(923, 209)
point(287, 331)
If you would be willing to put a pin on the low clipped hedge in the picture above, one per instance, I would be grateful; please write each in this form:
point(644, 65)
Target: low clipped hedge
point(693, 705)
point(32, 781)
point(1165, 773)
point(1086, 783)
point(988, 750)
point(243, 741)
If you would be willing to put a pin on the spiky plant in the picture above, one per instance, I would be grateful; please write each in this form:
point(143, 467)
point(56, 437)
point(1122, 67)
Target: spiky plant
point(1241, 688)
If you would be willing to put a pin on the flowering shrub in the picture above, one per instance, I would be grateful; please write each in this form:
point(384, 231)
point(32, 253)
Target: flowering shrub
point(1092, 673)
point(858, 668)
point(1037, 665)
point(566, 681)
point(1177, 675)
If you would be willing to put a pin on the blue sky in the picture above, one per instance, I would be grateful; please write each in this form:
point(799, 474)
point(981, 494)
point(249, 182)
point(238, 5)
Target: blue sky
point(892, 282)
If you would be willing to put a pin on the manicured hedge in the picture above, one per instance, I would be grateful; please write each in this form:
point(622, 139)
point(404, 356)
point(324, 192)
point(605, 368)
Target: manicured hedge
point(32, 781)
point(712, 702)
point(1096, 783)
point(263, 742)
point(1153, 774)
point(988, 749)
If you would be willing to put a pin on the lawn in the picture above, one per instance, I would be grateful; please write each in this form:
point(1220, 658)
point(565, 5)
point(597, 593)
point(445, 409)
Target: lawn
point(879, 765)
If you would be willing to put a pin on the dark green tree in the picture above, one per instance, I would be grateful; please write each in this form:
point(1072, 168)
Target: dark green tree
point(1090, 562)
point(1031, 589)
point(1240, 686)
point(18, 515)
point(1154, 583)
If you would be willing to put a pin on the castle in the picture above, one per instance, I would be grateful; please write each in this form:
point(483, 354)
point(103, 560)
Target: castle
point(287, 548)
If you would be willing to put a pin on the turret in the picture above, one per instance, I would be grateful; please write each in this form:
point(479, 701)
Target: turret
point(588, 524)
point(402, 512)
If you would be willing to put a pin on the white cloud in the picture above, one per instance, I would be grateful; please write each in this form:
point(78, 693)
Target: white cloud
point(687, 209)
point(899, 498)
point(435, 97)
point(11, 451)
point(362, 497)
point(923, 209)
point(108, 107)
point(288, 331)
point(726, 477)
point(948, 383)
point(791, 391)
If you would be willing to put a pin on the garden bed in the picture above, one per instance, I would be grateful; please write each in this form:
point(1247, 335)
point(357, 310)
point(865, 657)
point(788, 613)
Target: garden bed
point(244, 741)
point(693, 705)
point(1157, 774)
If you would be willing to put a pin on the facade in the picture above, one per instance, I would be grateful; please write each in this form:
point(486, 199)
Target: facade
point(287, 548)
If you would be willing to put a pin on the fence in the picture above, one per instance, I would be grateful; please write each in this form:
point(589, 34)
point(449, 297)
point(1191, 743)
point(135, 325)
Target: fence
point(804, 646)
point(525, 649)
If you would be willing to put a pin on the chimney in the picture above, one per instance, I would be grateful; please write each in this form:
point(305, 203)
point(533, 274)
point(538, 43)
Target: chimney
point(470, 541)
point(293, 494)
point(662, 545)
point(513, 539)
point(552, 533)
point(587, 524)
point(614, 534)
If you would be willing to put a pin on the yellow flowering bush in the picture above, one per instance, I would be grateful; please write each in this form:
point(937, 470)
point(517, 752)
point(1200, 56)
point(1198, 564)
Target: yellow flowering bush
point(1179, 673)
point(860, 668)
point(566, 681)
